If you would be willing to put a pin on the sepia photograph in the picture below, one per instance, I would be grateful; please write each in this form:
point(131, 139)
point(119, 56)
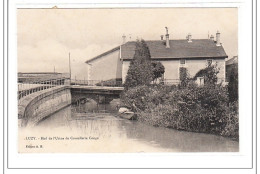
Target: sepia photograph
point(127, 80)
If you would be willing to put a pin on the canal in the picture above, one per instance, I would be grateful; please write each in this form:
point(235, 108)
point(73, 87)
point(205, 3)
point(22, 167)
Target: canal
point(92, 127)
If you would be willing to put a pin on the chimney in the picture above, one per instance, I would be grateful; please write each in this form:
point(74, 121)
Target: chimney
point(212, 38)
point(218, 39)
point(161, 37)
point(189, 38)
point(167, 38)
point(124, 38)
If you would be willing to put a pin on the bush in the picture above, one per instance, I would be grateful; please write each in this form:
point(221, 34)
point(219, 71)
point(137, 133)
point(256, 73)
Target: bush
point(141, 96)
point(209, 73)
point(231, 128)
point(158, 69)
point(233, 84)
point(183, 77)
point(197, 109)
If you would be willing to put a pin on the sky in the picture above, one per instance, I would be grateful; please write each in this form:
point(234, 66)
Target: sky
point(45, 37)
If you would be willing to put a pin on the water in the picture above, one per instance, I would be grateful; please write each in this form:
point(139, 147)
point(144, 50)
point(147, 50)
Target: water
point(103, 131)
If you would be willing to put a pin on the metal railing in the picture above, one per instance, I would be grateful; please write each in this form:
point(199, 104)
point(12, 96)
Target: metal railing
point(25, 89)
point(178, 81)
point(111, 83)
point(169, 81)
point(118, 83)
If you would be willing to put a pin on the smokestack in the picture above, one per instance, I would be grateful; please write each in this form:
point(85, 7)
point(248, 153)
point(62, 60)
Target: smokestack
point(189, 38)
point(218, 39)
point(161, 37)
point(212, 37)
point(167, 38)
point(124, 38)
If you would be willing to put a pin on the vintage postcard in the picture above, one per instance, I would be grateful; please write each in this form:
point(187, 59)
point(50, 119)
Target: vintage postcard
point(129, 85)
point(127, 80)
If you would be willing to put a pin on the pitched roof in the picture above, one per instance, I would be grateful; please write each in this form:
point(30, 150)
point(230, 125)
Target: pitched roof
point(198, 48)
point(103, 54)
point(231, 61)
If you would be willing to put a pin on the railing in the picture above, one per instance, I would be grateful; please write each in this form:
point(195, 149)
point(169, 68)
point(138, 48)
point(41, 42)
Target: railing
point(25, 89)
point(170, 81)
point(111, 83)
point(118, 83)
point(178, 81)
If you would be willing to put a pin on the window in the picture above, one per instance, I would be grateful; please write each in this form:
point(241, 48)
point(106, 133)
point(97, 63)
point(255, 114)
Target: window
point(209, 61)
point(182, 61)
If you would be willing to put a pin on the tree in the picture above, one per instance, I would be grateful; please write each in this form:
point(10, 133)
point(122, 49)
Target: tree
point(140, 69)
point(209, 73)
point(233, 84)
point(158, 70)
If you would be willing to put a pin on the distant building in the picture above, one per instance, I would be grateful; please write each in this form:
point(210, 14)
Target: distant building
point(229, 65)
point(193, 54)
point(31, 77)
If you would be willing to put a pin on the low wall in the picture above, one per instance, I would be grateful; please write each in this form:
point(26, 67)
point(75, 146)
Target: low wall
point(34, 107)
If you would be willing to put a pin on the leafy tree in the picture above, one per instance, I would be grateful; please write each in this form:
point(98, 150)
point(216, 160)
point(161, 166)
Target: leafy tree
point(233, 84)
point(158, 69)
point(140, 69)
point(209, 73)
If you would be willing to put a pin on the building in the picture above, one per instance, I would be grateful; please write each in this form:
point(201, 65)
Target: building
point(230, 64)
point(193, 54)
point(33, 77)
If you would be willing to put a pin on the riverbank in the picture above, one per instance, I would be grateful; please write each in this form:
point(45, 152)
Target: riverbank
point(196, 109)
point(114, 135)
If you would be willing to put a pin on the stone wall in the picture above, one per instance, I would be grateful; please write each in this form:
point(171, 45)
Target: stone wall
point(34, 107)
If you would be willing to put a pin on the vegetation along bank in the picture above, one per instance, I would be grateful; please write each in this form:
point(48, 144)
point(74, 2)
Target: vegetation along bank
point(209, 108)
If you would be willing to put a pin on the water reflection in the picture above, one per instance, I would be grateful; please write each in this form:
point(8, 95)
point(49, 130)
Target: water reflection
point(120, 135)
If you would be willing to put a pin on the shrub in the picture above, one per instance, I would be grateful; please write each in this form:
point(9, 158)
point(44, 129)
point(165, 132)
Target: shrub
point(231, 128)
point(158, 69)
point(233, 84)
point(209, 73)
point(197, 109)
point(183, 76)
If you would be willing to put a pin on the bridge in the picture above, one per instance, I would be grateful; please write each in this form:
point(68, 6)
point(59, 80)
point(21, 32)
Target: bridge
point(38, 99)
point(80, 89)
point(101, 94)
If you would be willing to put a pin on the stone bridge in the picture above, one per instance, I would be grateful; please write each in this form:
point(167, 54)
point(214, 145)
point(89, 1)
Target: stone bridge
point(97, 93)
point(37, 105)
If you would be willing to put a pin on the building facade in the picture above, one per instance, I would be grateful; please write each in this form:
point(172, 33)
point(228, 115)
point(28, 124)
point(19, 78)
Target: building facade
point(193, 54)
point(230, 64)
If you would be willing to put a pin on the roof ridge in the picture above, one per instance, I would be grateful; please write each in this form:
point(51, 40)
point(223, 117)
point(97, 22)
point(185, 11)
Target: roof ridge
point(165, 40)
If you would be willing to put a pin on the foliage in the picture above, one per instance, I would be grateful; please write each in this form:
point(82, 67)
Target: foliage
point(197, 109)
point(140, 96)
point(158, 69)
point(233, 84)
point(231, 128)
point(183, 76)
point(140, 69)
point(209, 73)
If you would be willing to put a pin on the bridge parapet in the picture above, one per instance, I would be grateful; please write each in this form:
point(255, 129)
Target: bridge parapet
point(38, 105)
point(98, 93)
point(27, 88)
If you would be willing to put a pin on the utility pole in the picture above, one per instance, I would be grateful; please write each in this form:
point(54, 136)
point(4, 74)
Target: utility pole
point(70, 68)
point(54, 69)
